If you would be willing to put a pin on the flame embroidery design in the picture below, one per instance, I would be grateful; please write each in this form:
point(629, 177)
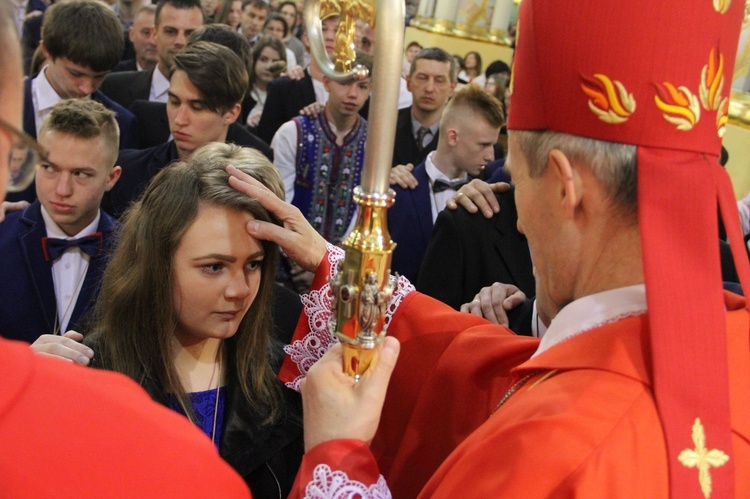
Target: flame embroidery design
point(608, 99)
point(722, 6)
point(722, 116)
point(702, 458)
point(712, 82)
point(679, 105)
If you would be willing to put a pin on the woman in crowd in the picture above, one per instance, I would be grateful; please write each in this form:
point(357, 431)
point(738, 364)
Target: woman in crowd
point(230, 13)
point(289, 11)
point(277, 27)
point(185, 311)
point(472, 68)
point(267, 53)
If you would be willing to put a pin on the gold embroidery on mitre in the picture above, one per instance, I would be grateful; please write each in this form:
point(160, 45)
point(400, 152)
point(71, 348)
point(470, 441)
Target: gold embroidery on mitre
point(608, 99)
point(712, 82)
point(722, 6)
point(722, 116)
point(679, 105)
point(702, 458)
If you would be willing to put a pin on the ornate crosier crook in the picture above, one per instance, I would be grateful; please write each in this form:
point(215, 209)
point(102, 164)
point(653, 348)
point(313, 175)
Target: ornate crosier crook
point(361, 289)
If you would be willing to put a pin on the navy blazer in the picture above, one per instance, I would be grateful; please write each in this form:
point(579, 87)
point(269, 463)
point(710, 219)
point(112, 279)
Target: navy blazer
point(125, 87)
point(410, 221)
point(28, 306)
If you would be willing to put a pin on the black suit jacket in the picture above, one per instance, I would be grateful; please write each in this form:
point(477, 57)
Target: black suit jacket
point(154, 128)
point(126, 65)
point(28, 306)
point(468, 251)
point(127, 86)
point(405, 148)
point(138, 168)
point(284, 99)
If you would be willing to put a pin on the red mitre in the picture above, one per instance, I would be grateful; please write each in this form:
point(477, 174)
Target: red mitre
point(657, 75)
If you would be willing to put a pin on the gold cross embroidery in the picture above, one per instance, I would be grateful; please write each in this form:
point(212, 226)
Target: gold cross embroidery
point(702, 458)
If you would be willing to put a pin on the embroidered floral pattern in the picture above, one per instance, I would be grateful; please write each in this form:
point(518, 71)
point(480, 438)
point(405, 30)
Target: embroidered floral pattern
point(329, 484)
point(317, 307)
point(712, 81)
point(722, 6)
point(702, 458)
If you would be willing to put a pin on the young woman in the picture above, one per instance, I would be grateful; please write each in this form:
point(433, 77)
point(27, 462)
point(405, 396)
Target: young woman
point(185, 311)
point(230, 13)
point(267, 51)
point(472, 68)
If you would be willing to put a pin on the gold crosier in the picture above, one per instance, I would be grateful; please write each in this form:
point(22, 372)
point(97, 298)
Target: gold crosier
point(361, 288)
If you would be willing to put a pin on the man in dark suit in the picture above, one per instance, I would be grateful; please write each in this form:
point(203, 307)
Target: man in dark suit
point(174, 21)
point(55, 251)
point(140, 36)
point(431, 81)
point(468, 131)
point(200, 110)
point(467, 252)
point(77, 61)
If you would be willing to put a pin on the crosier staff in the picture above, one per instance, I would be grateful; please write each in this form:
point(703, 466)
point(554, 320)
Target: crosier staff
point(360, 289)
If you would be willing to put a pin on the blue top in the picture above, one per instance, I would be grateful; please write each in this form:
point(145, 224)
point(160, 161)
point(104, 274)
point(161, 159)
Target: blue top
point(203, 410)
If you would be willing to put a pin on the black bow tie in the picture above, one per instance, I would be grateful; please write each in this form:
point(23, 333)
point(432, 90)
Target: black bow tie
point(441, 185)
point(54, 248)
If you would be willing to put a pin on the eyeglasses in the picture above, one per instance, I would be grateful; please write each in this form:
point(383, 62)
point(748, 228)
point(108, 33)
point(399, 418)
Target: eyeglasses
point(25, 154)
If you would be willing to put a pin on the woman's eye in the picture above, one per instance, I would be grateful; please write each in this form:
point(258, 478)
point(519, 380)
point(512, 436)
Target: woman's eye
point(254, 265)
point(212, 268)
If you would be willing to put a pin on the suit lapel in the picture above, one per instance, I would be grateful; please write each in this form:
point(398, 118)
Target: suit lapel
point(421, 199)
point(38, 269)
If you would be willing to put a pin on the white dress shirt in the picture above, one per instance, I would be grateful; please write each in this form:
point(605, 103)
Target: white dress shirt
point(321, 94)
point(589, 312)
point(438, 200)
point(43, 97)
point(68, 271)
point(159, 87)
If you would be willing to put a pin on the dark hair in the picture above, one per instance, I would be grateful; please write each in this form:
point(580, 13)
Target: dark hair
point(222, 16)
point(296, 11)
point(413, 44)
point(258, 4)
point(496, 67)
point(86, 32)
point(87, 119)
point(225, 36)
point(178, 4)
point(217, 72)
point(436, 54)
point(135, 315)
point(275, 16)
point(263, 42)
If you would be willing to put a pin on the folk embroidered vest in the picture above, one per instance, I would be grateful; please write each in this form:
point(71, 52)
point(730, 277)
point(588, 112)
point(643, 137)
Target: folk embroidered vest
point(326, 175)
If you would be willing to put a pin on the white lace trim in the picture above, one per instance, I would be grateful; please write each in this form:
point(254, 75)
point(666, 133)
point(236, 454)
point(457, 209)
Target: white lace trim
point(317, 307)
point(328, 484)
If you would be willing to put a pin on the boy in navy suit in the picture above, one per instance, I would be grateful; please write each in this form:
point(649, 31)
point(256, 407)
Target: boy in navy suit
point(468, 131)
point(54, 251)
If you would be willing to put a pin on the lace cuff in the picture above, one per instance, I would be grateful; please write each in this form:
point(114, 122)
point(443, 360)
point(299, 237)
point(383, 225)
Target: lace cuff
point(316, 305)
point(328, 484)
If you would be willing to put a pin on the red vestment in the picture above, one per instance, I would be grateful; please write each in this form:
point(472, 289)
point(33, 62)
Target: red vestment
point(585, 424)
point(70, 431)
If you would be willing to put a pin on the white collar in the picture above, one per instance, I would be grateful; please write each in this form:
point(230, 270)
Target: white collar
point(434, 173)
point(54, 230)
point(159, 83)
point(593, 311)
point(46, 97)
